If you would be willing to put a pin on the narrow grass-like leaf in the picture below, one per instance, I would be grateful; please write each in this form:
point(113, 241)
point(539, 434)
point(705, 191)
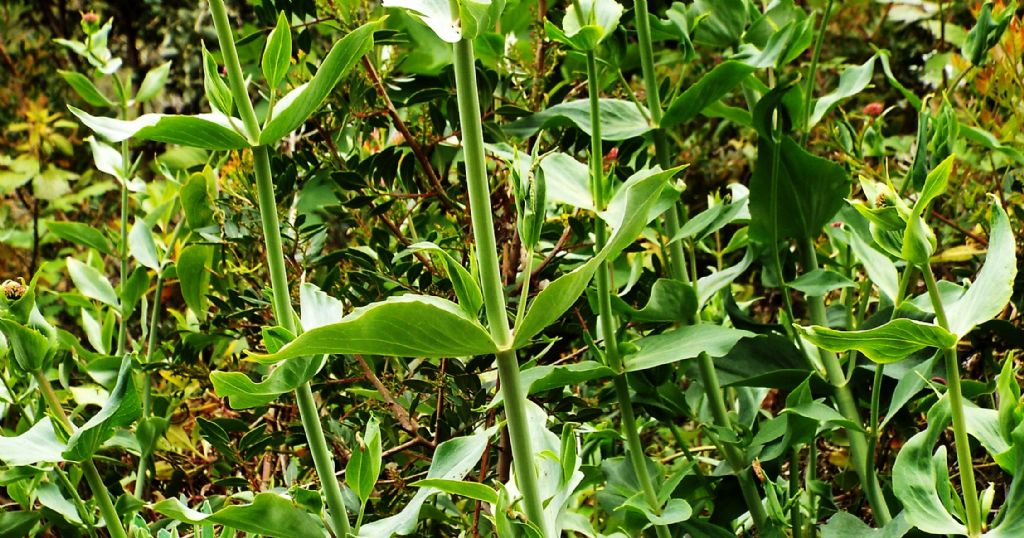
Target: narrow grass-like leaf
point(469, 490)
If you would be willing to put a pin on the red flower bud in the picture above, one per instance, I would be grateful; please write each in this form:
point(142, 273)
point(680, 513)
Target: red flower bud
point(874, 109)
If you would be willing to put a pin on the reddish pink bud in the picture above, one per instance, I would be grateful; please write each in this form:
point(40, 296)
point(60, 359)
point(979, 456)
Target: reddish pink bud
point(612, 155)
point(874, 109)
point(90, 17)
point(837, 224)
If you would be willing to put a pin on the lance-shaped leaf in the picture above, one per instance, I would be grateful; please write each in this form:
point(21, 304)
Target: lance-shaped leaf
point(121, 409)
point(91, 282)
point(269, 514)
point(244, 393)
point(852, 81)
point(452, 460)
point(277, 55)
point(918, 475)
point(552, 376)
point(709, 89)
point(993, 286)
point(85, 89)
point(154, 82)
point(620, 119)
point(206, 131)
point(403, 326)
point(296, 107)
point(640, 192)
point(918, 239)
point(686, 342)
point(37, 445)
point(80, 234)
point(586, 23)
point(891, 342)
point(470, 490)
point(363, 466)
point(466, 287)
point(217, 91)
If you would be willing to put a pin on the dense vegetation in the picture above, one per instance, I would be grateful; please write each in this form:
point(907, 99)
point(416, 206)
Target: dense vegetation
point(301, 268)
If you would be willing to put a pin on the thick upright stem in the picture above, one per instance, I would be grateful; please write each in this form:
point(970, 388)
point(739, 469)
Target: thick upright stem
point(322, 457)
point(809, 90)
point(604, 301)
point(490, 279)
point(956, 403)
point(89, 471)
point(845, 401)
point(677, 268)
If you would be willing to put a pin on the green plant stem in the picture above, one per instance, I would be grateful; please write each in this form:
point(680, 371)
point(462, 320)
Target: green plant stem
point(76, 499)
point(147, 379)
point(490, 279)
point(812, 70)
point(956, 403)
point(637, 456)
point(876, 386)
point(677, 270)
point(676, 257)
point(89, 471)
point(308, 412)
point(845, 400)
point(795, 515)
point(122, 329)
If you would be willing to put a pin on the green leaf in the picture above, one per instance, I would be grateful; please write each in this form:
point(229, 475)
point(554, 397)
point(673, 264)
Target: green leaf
point(32, 349)
point(469, 490)
point(918, 239)
point(299, 104)
point(670, 300)
point(269, 514)
point(917, 475)
point(154, 83)
point(567, 181)
point(478, 17)
point(708, 90)
point(640, 192)
point(552, 376)
point(318, 309)
point(277, 55)
point(847, 525)
point(721, 21)
point(675, 511)
point(810, 191)
point(403, 326)
point(987, 32)
point(586, 23)
point(466, 287)
point(993, 286)
point(452, 460)
point(206, 131)
point(194, 277)
point(217, 91)
point(852, 81)
point(91, 283)
point(142, 246)
point(108, 160)
point(436, 14)
point(244, 393)
point(891, 342)
point(85, 88)
point(196, 200)
point(363, 466)
point(620, 119)
point(80, 234)
point(37, 445)
point(819, 282)
point(686, 342)
point(121, 409)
